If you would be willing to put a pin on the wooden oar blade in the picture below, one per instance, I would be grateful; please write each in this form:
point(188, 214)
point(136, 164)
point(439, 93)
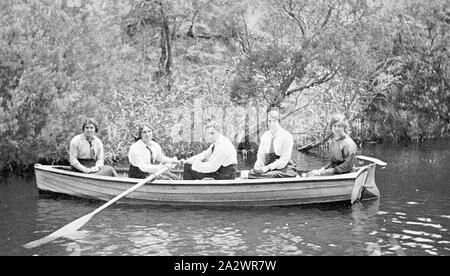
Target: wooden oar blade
point(62, 232)
point(77, 224)
point(40, 242)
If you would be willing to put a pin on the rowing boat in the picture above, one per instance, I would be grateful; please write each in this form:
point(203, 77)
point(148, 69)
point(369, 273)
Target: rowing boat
point(356, 186)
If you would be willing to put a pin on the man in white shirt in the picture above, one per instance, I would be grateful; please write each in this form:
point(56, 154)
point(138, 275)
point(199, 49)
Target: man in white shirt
point(218, 161)
point(274, 152)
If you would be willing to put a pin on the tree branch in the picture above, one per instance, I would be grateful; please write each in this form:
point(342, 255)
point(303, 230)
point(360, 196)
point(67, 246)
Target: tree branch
point(300, 21)
point(244, 41)
point(190, 32)
point(298, 109)
point(327, 17)
point(322, 80)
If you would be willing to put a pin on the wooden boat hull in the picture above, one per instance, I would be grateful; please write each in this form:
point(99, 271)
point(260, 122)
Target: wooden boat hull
point(359, 185)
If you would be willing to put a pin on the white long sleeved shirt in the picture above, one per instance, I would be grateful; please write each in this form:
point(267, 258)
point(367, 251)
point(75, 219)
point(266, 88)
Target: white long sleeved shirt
point(282, 144)
point(80, 148)
point(139, 156)
point(209, 161)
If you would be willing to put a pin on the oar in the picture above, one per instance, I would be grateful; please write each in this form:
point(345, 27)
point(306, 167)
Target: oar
point(371, 159)
point(77, 224)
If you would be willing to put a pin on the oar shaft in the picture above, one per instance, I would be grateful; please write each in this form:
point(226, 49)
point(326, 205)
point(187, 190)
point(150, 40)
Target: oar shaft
point(130, 190)
point(77, 224)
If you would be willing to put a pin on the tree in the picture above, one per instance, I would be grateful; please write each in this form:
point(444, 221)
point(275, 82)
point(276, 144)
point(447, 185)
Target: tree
point(412, 81)
point(302, 40)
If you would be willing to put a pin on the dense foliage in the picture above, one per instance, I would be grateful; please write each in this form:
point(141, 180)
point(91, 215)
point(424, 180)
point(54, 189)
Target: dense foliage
point(179, 63)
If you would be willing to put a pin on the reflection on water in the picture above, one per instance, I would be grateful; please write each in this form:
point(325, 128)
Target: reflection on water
point(310, 230)
point(411, 218)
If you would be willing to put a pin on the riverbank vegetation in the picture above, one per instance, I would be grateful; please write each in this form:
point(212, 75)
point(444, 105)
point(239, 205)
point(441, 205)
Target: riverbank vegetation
point(177, 64)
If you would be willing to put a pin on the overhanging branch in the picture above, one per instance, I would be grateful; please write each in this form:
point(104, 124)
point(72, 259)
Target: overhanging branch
point(322, 80)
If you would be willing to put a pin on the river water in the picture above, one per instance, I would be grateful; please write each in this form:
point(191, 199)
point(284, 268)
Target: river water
point(412, 217)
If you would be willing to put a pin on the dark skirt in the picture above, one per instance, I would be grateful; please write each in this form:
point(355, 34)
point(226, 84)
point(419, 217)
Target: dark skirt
point(288, 171)
point(135, 172)
point(88, 163)
point(227, 172)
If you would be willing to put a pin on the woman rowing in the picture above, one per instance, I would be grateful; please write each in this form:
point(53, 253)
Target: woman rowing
point(146, 157)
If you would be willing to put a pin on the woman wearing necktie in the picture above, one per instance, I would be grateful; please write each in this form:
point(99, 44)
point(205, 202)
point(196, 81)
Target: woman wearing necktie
point(86, 151)
point(218, 161)
point(146, 157)
point(274, 152)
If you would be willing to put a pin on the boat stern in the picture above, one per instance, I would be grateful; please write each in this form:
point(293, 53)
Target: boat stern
point(365, 187)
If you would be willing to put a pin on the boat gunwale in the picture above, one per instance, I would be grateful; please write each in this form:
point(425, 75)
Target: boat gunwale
point(237, 181)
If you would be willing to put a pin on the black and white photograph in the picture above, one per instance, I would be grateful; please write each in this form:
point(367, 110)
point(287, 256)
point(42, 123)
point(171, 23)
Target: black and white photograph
point(243, 130)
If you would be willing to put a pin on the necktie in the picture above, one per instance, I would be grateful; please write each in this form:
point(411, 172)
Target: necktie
point(212, 149)
point(91, 150)
point(271, 149)
point(151, 154)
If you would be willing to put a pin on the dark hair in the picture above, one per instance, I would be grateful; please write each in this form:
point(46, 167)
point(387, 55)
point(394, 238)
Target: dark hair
point(91, 121)
point(140, 128)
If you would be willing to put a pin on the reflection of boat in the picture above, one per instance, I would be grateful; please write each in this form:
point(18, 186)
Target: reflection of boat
point(355, 186)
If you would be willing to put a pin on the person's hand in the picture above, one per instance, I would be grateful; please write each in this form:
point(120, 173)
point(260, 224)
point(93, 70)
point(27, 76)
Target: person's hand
point(313, 173)
point(265, 169)
point(261, 170)
point(95, 169)
point(257, 171)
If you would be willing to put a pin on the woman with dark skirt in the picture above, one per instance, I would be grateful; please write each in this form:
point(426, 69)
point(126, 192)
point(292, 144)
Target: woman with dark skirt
point(86, 151)
point(274, 158)
point(146, 157)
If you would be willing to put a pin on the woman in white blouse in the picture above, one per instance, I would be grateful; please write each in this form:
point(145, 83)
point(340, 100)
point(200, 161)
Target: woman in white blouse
point(86, 151)
point(274, 158)
point(146, 157)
